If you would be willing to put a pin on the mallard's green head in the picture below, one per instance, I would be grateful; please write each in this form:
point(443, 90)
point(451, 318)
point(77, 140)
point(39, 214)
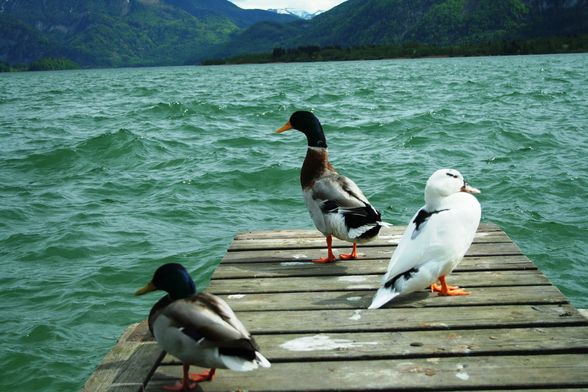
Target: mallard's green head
point(308, 124)
point(172, 278)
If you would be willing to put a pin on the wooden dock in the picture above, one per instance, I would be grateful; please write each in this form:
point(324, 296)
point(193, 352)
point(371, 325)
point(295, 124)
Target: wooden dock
point(515, 331)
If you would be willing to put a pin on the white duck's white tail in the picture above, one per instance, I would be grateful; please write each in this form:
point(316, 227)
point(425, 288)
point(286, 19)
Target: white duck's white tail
point(382, 297)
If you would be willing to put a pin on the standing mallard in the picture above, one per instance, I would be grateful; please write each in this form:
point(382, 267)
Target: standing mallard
point(198, 329)
point(435, 241)
point(336, 204)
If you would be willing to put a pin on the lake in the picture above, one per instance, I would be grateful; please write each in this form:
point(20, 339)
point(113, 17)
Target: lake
point(106, 174)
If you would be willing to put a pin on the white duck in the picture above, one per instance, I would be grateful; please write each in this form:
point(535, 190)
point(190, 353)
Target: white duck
point(198, 329)
point(435, 241)
point(336, 204)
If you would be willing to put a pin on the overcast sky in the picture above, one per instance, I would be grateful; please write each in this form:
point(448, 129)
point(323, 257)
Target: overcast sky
point(306, 5)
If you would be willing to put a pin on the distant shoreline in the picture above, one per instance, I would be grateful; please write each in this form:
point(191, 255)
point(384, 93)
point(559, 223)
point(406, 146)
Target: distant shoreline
point(43, 64)
point(315, 53)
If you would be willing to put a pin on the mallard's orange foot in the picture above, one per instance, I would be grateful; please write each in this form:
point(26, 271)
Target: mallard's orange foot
point(448, 290)
point(179, 386)
point(206, 375)
point(324, 260)
point(350, 256)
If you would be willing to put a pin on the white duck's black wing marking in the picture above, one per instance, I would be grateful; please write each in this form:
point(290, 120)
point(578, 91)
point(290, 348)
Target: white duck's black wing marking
point(421, 218)
point(405, 275)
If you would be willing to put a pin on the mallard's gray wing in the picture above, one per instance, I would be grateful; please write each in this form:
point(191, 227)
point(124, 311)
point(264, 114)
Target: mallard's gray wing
point(207, 316)
point(336, 194)
point(340, 191)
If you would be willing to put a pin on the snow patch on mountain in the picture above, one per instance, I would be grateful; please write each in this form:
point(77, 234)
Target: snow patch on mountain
point(299, 13)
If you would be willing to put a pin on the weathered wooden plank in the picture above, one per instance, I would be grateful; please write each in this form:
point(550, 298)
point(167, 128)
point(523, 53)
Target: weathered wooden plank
point(357, 267)
point(140, 365)
point(368, 282)
point(410, 319)
point(300, 233)
point(503, 372)
point(129, 363)
point(311, 242)
point(414, 344)
point(426, 343)
point(403, 319)
point(110, 366)
point(253, 256)
point(524, 388)
point(126, 388)
point(361, 299)
point(141, 333)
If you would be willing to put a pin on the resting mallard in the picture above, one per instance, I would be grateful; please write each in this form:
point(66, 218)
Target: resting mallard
point(336, 204)
point(435, 241)
point(198, 329)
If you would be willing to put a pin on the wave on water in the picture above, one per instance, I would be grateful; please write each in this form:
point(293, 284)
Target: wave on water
point(122, 145)
point(179, 110)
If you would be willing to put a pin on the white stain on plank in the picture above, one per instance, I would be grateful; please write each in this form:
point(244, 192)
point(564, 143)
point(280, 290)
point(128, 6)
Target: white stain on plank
point(321, 342)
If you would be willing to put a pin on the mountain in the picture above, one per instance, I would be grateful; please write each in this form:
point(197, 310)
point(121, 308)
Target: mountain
point(121, 32)
point(437, 22)
point(222, 8)
point(101, 33)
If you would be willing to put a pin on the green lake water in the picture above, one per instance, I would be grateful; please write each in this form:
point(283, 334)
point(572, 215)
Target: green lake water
point(106, 174)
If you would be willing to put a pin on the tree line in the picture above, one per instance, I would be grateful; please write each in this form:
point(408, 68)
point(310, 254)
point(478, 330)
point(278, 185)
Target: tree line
point(545, 45)
point(43, 64)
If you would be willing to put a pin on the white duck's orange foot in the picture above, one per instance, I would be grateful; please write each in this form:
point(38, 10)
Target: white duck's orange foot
point(448, 290)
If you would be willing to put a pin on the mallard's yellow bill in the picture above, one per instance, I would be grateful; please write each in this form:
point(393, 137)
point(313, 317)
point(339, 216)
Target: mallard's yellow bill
point(285, 127)
point(148, 288)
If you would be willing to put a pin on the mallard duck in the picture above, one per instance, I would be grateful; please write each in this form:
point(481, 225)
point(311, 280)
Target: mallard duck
point(435, 241)
point(336, 204)
point(198, 329)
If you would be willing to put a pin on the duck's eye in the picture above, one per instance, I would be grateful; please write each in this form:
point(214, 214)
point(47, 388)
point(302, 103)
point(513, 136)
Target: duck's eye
point(451, 175)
